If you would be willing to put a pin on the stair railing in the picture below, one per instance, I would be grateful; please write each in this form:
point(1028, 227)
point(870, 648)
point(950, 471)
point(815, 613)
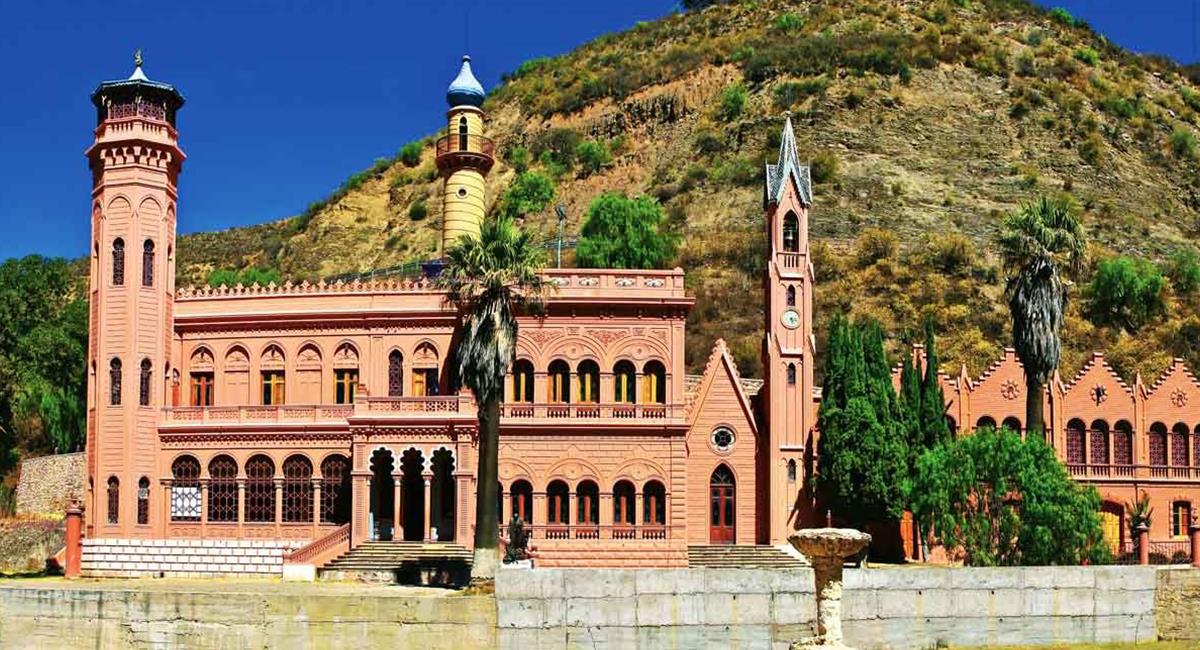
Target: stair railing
point(318, 547)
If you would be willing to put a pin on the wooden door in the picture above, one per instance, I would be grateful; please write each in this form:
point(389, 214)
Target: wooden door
point(721, 507)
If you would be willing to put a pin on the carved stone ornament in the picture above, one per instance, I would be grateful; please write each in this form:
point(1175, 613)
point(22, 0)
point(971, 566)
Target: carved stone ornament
point(1009, 389)
point(1179, 398)
point(623, 282)
point(1098, 394)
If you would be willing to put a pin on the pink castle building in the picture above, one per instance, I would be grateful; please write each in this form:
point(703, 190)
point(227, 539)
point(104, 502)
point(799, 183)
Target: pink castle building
point(317, 420)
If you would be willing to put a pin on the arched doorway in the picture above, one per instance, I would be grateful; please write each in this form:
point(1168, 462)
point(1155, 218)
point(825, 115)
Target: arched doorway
point(442, 496)
point(412, 508)
point(383, 500)
point(1111, 516)
point(721, 495)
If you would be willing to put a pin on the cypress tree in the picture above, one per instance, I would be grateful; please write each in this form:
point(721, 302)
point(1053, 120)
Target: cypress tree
point(933, 402)
point(910, 405)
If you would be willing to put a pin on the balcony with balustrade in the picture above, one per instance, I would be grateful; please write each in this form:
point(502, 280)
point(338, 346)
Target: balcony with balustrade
point(1170, 473)
point(458, 150)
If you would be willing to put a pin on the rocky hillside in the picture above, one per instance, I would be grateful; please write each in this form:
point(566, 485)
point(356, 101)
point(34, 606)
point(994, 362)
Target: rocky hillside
point(926, 121)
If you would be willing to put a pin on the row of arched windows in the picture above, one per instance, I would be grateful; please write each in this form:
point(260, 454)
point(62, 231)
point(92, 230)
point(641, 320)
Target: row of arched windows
point(114, 501)
point(294, 498)
point(118, 263)
point(560, 389)
point(584, 507)
point(114, 382)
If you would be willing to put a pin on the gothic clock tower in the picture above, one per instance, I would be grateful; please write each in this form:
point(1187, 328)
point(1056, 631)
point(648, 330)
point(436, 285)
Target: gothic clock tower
point(788, 345)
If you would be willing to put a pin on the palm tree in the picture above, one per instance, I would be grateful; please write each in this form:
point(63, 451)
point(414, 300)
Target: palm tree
point(1037, 242)
point(490, 278)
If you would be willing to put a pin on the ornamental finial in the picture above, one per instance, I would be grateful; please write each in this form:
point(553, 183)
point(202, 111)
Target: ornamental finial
point(137, 58)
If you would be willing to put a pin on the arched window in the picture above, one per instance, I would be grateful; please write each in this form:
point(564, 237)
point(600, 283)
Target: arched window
point(1158, 444)
point(425, 371)
point(148, 264)
point(297, 489)
point(521, 493)
point(654, 504)
point(654, 383)
point(1196, 446)
point(1012, 424)
point(560, 382)
point(222, 489)
point(791, 233)
point(791, 374)
point(623, 503)
point(335, 490)
point(985, 422)
point(395, 374)
point(114, 499)
point(587, 495)
point(118, 262)
point(1075, 442)
point(185, 489)
point(721, 496)
point(1098, 443)
point(260, 489)
point(557, 503)
point(144, 383)
point(273, 377)
point(623, 378)
point(1179, 445)
point(791, 296)
point(589, 381)
point(114, 382)
point(522, 381)
point(1181, 518)
point(345, 374)
point(143, 501)
point(1123, 443)
point(462, 133)
point(791, 470)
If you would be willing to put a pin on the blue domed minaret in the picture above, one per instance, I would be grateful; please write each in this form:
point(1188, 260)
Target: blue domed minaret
point(464, 158)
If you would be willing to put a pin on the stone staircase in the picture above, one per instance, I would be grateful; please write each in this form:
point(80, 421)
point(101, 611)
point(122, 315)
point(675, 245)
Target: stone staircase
point(742, 557)
point(410, 563)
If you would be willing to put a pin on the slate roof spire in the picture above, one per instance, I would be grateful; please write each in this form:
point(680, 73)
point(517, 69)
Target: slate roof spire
point(788, 167)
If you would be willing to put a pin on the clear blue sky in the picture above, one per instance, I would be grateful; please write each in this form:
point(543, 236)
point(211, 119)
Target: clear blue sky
point(287, 99)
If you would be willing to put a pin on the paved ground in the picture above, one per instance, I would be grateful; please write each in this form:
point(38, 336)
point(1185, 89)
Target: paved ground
point(1157, 645)
point(219, 585)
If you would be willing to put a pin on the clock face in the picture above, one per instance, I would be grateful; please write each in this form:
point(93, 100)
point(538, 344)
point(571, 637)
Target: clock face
point(790, 319)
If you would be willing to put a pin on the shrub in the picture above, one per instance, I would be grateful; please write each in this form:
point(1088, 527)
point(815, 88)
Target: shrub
point(529, 193)
point(249, 276)
point(824, 167)
point(733, 102)
point(410, 154)
point(518, 158)
point(1126, 293)
point(950, 253)
point(418, 211)
point(1183, 268)
point(1092, 148)
point(737, 170)
point(873, 245)
point(1060, 15)
point(624, 233)
point(1183, 143)
point(708, 141)
point(593, 156)
point(790, 93)
point(789, 22)
point(557, 145)
point(1087, 55)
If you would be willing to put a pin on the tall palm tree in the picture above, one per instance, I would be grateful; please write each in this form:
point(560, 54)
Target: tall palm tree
point(490, 278)
point(1037, 244)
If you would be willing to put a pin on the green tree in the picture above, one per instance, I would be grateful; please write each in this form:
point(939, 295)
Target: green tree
point(410, 154)
point(862, 448)
point(932, 418)
point(1004, 501)
point(625, 233)
point(247, 277)
point(593, 156)
point(1126, 293)
point(529, 193)
point(1184, 270)
point(490, 278)
point(1038, 243)
point(733, 102)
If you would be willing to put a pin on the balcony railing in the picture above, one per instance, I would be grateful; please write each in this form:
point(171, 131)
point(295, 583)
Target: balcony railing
point(430, 404)
point(1085, 470)
point(596, 531)
point(255, 414)
point(588, 410)
point(1174, 551)
point(464, 149)
point(791, 260)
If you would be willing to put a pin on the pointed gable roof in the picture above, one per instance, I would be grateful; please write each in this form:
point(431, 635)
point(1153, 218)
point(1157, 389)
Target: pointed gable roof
point(720, 363)
point(788, 168)
point(1178, 367)
point(1097, 362)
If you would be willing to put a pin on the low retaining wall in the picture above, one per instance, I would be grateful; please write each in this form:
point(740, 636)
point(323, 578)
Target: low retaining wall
point(130, 558)
point(49, 483)
point(1178, 602)
point(882, 608)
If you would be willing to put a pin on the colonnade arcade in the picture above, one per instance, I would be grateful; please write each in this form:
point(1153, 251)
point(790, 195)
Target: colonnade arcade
point(413, 494)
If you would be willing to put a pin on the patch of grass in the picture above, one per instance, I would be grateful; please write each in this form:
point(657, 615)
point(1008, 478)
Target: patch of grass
point(1183, 143)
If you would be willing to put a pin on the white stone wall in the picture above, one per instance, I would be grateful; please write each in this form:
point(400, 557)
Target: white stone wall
point(883, 608)
point(108, 558)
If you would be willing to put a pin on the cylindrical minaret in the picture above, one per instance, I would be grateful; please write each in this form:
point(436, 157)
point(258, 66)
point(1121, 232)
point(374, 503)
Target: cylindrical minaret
point(464, 157)
point(135, 161)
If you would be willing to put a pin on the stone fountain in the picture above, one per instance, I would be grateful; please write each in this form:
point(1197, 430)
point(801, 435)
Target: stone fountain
point(827, 550)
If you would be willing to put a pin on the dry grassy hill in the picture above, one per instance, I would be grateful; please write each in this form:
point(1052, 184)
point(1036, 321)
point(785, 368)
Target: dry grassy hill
point(926, 121)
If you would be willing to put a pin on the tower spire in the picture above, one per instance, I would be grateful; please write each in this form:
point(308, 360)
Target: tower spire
point(464, 157)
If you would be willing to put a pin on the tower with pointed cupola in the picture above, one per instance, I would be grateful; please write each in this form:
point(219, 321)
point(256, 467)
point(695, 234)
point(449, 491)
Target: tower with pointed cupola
point(788, 346)
point(464, 158)
point(135, 161)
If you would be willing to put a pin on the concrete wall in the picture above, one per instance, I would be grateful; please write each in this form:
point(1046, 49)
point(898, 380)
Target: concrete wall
point(48, 483)
point(883, 608)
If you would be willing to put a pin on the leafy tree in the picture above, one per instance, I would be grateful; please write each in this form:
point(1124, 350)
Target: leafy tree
point(733, 102)
point(490, 278)
point(410, 154)
point(518, 157)
point(932, 418)
point(862, 451)
point(1126, 293)
point(1004, 501)
point(593, 156)
point(1184, 271)
point(624, 233)
point(1036, 244)
point(529, 193)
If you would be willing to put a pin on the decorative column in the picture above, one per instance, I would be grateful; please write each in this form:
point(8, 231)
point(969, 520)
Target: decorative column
point(428, 478)
point(639, 508)
point(539, 505)
point(278, 507)
point(316, 513)
point(397, 507)
point(1142, 533)
point(506, 512)
point(204, 506)
point(241, 504)
point(167, 507)
point(1194, 529)
point(827, 549)
point(74, 540)
point(606, 513)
